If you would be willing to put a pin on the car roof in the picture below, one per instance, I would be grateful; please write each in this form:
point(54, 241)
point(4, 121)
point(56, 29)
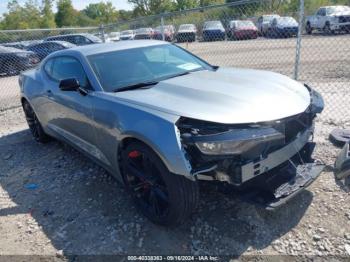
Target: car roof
point(59, 36)
point(55, 41)
point(110, 47)
point(6, 49)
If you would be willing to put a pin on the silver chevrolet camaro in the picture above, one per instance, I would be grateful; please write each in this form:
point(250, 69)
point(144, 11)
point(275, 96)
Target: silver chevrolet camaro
point(161, 119)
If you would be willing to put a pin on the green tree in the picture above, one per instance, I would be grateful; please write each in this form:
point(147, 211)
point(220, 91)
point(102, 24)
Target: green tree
point(83, 20)
point(186, 4)
point(48, 17)
point(19, 17)
point(103, 13)
point(66, 14)
point(210, 2)
point(126, 14)
point(151, 7)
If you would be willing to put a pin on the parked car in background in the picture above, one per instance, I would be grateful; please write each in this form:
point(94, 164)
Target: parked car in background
point(144, 33)
point(44, 49)
point(160, 119)
point(213, 30)
point(168, 30)
point(186, 33)
point(114, 36)
point(284, 26)
point(22, 44)
point(77, 39)
point(329, 19)
point(242, 30)
point(127, 35)
point(264, 23)
point(13, 60)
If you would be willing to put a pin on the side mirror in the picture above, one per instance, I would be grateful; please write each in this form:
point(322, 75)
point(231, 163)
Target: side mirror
point(70, 84)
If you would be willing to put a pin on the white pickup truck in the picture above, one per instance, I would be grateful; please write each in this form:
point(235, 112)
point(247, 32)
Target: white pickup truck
point(329, 19)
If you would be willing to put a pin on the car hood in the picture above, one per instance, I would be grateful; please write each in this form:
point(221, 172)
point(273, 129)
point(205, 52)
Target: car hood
point(227, 95)
point(186, 31)
point(341, 13)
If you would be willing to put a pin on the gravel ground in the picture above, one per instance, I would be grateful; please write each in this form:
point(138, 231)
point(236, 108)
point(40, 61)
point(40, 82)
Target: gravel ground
point(54, 201)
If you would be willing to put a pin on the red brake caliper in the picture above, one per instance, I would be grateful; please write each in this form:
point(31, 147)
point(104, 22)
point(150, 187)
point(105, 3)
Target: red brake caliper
point(135, 154)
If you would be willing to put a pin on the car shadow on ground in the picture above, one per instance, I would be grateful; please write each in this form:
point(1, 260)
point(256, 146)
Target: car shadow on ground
point(83, 210)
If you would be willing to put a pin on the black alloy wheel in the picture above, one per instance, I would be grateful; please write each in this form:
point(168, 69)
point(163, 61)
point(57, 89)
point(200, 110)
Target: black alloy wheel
point(164, 198)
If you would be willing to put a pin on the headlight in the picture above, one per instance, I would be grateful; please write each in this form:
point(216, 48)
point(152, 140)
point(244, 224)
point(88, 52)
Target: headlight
point(238, 141)
point(22, 54)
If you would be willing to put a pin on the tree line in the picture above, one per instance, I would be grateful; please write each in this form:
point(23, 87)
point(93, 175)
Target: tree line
point(40, 14)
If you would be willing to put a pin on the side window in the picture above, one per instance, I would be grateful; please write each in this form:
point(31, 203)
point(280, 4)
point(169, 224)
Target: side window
point(80, 40)
point(69, 67)
point(321, 12)
point(54, 47)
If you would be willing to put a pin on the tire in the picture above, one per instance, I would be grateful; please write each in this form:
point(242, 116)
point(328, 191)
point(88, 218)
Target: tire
point(339, 137)
point(164, 198)
point(308, 29)
point(34, 124)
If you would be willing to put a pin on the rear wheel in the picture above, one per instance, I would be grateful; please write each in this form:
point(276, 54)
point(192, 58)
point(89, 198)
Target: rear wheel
point(164, 198)
point(34, 124)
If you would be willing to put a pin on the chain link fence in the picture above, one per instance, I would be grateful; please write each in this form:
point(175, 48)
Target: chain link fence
point(250, 34)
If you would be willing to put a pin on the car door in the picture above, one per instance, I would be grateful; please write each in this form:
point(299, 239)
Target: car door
point(319, 18)
point(70, 112)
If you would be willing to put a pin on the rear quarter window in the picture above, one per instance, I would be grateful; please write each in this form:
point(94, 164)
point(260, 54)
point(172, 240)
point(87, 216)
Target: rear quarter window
point(48, 67)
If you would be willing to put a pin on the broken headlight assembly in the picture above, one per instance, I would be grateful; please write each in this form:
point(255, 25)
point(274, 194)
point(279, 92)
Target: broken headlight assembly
point(238, 141)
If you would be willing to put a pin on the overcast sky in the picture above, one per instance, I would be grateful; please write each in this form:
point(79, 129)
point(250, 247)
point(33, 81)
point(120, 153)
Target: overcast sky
point(78, 4)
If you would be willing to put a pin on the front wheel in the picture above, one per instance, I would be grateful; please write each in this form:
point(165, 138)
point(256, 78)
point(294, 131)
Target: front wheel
point(327, 29)
point(164, 198)
point(308, 29)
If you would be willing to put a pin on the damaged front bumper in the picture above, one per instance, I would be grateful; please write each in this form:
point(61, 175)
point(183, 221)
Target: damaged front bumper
point(267, 163)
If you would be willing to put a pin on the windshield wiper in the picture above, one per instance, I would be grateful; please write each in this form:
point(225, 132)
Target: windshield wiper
point(135, 86)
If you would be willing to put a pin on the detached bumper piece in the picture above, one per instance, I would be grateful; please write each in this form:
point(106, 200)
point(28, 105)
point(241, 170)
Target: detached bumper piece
point(281, 185)
point(342, 164)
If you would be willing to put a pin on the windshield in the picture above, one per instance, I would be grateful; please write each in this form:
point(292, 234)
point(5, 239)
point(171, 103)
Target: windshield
point(123, 68)
point(93, 38)
point(337, 9)
point(286, 21)
point(186, 27)
point(213, 24)
point(244, 23)
point(129, 32)
point(268, 18)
